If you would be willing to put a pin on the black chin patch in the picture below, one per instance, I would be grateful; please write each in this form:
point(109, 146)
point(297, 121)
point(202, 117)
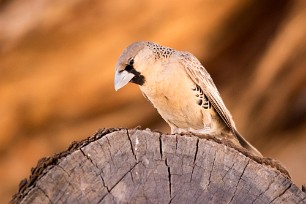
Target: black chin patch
point(138, 78)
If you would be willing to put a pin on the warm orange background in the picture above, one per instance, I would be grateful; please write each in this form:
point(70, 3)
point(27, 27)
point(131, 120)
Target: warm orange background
point(57, 63)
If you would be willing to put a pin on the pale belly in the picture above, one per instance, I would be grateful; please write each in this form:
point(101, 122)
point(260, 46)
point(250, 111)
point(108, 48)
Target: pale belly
point(175, 100)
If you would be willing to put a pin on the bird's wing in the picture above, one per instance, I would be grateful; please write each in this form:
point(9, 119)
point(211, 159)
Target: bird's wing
point(202, 78)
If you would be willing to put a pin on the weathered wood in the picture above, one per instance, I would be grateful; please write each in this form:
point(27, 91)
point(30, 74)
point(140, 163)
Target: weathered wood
point(140, 166)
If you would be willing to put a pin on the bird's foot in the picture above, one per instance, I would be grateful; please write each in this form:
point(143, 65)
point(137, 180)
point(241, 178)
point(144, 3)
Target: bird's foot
point(204, 131)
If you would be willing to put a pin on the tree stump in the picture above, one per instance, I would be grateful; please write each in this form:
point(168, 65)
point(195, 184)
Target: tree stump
point(141, 166)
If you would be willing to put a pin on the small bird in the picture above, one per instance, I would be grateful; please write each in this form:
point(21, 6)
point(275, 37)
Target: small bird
point(180, 88)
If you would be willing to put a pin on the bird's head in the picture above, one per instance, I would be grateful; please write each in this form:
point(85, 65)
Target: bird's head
point(132, 64)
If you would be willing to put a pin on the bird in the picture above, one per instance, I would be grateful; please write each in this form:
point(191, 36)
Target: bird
point(180, 88)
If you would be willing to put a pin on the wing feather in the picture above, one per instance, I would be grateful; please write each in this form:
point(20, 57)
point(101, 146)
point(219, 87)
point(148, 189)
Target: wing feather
point(201, 77)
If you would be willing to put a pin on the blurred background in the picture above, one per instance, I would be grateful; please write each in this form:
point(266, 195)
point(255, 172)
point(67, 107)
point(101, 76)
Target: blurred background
point(57, 61)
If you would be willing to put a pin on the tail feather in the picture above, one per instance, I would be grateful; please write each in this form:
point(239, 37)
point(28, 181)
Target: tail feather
point(244, 143)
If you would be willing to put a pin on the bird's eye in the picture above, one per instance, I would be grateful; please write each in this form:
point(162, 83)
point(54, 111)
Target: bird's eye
point(129, 66)
point(131, 61)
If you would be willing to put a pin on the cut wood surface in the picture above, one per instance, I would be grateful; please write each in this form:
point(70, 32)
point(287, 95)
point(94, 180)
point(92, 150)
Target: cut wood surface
point(141, 166)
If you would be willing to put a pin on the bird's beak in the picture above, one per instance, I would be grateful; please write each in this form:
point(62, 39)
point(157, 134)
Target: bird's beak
point(122, 78)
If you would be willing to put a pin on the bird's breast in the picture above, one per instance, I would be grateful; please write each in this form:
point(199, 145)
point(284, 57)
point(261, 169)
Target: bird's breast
point(171, 94)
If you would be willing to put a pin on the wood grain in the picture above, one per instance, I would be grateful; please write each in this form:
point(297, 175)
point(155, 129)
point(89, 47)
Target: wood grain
point(141, 166)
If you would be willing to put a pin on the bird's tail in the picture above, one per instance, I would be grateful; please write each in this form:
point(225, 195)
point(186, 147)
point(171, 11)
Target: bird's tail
point(244, 143)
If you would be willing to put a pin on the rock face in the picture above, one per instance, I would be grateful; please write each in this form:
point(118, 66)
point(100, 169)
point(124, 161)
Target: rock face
point(140, 166)
point(57, 61)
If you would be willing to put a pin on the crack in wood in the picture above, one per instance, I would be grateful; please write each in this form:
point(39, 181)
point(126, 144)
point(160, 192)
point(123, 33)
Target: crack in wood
point(236, 187)
point(212, 168)
point(44, 194)
point(171, 199)
point(110, 190)
point(67, 181)
point(95, 165)
point(282, 193)
point(196, 150)
point(132, 148)
point(263, 192)
point(169, 177)
point(63, 169)
point(109, 151)
point(132, 177)
point(226, 173)
point(70, 185)
point(193, 167)
point(194, 159)
point(160, 147)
